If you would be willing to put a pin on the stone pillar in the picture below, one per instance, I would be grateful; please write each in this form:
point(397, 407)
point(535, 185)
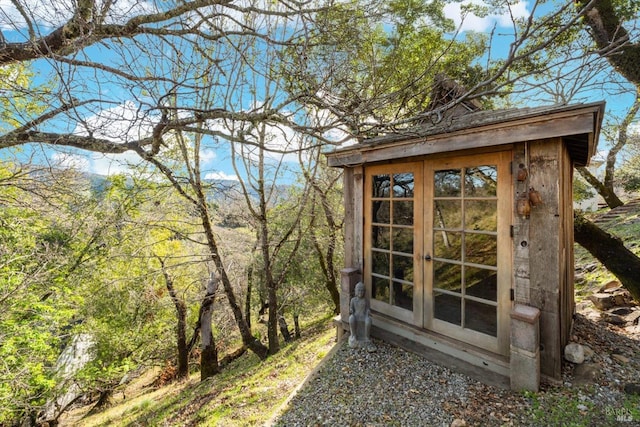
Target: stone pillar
point(525, 348)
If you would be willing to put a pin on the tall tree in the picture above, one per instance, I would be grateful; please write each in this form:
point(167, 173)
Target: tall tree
point(612, 25)
point(607, 187)
point(325, 226)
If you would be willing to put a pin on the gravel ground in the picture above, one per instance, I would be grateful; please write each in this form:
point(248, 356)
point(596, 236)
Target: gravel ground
point(387, 387)
point(393, 387)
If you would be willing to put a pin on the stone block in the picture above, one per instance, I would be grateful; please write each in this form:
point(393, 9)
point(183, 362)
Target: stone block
point(525, 328)
point(602, 301)
point(574, 353)
point(525, 370)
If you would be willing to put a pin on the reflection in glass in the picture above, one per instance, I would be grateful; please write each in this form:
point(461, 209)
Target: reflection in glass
point(381, 185)
point(380, 289)
point(380, 237)
point(447, 307)
point(481, 181)
point(481, 249)
point(403, 295)
point(460, 242)
point(381, 212)
point(403, 268)
point(481, 283)
point(481, 215)
point(380, 261)
point(403, 212)
point(403, 185)
point(403, 240)
point(447, 183)
point(447, 244)
point(448, 214)
point(447, 276)
point(481, 317)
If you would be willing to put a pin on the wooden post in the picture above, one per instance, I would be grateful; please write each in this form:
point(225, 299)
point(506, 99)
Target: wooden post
point(545, 234)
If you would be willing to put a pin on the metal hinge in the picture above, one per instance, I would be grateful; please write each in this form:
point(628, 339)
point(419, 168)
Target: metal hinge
point(511, 231)
point(512, 294)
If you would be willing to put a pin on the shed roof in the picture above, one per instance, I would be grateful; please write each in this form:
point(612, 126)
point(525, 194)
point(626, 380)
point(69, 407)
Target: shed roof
point(578, 125)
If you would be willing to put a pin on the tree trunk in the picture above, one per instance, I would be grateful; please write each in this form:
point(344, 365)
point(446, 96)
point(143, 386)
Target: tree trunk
point(209, 357)
point(284, 329)
point(326, 259)
point(247, 300)
point(251, 342)
point(613, 40)
point(611, 252)
point(606, 192)
point(183, 352)
point(181, 313)
point(272, 322)
point(296, 325)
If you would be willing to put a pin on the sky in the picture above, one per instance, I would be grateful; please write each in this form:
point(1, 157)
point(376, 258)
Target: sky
point(216, 162)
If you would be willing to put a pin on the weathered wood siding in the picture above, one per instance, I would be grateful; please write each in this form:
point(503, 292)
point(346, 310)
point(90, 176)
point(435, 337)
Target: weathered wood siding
point(353, 228)
point(545, 242)
point(567, 262)
point(521, 275)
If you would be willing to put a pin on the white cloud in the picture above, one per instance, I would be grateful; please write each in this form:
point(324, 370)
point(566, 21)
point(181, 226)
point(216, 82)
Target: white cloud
point(207, 155)
point(112, 164)
point(281, 142)
point(471, 22)
point(70, 161)
point(222, 176)
point(124, 122)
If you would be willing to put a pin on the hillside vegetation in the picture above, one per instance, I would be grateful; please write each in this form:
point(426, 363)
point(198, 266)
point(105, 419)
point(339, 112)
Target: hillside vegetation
point(248, 392)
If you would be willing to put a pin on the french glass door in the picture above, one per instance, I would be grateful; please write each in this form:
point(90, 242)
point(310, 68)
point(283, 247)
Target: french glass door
point(438, 248)
point(467, 249)
point(393, 240)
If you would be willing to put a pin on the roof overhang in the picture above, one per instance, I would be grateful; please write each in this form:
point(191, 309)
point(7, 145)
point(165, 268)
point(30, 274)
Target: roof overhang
point(578, 125)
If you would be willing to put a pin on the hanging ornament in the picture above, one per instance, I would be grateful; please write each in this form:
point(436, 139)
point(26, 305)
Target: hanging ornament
point(522, 173)
point(523, 207)
point(534, 197)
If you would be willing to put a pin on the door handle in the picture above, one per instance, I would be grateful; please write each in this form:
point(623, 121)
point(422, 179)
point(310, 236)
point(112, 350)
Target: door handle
point(427, 257)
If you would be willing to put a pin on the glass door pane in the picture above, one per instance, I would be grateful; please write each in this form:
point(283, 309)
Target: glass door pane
point(465, 249)
point(391, 238)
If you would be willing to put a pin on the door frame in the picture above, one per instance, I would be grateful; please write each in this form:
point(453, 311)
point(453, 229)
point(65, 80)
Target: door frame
point(422, 314)
point(415, 316)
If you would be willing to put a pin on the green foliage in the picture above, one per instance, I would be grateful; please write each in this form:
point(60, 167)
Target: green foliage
point(627, 9)
point(74, 261)
point(383, 72)
point(581, 189)
point(15, 96)
point(628, 175)
point(37, 304)
point(131, 314)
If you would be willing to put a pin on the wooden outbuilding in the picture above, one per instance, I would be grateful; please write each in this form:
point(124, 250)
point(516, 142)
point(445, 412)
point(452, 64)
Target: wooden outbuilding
point(461, 229)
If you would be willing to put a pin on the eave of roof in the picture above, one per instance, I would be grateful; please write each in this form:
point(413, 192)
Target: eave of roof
point(578, 124)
